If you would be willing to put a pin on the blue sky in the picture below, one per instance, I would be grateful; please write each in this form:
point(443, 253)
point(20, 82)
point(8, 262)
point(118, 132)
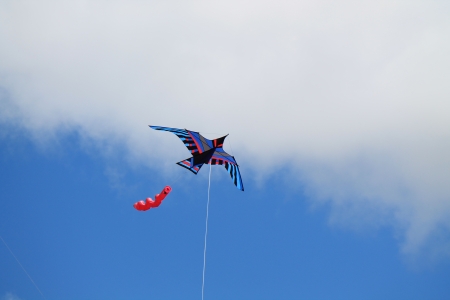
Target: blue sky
point(337, 114)
point(79, 237)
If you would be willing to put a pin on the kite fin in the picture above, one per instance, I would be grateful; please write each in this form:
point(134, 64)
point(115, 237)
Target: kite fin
point(187, 164)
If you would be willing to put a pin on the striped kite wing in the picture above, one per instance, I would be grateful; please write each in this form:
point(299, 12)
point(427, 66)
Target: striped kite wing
point(220, 157)
point(185, 136)
point(233, 170)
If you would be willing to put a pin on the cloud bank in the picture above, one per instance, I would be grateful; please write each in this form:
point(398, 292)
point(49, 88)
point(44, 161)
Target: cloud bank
point(353, 96)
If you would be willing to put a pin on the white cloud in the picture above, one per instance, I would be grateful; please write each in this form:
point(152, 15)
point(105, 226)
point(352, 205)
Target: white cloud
point(353, 94)
point(10, 296)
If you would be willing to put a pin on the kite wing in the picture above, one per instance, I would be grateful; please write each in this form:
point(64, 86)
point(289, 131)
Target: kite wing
point(220, 157)
point(187, 137)
point(199, 146)
point(194, 141)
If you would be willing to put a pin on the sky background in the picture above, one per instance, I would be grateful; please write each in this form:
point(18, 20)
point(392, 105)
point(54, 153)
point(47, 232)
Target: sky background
point(338, 115)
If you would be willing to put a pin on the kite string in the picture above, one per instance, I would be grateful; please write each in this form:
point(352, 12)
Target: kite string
point(206, 232)
point(22, 267)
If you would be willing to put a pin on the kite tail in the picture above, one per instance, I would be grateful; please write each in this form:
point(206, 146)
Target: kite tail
point(149, 203)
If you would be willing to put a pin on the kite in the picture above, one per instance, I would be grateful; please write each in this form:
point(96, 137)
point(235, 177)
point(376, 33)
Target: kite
point(205, 151)
point(149, 203)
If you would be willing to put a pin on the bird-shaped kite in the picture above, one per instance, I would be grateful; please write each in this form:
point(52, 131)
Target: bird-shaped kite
point(205, 151)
